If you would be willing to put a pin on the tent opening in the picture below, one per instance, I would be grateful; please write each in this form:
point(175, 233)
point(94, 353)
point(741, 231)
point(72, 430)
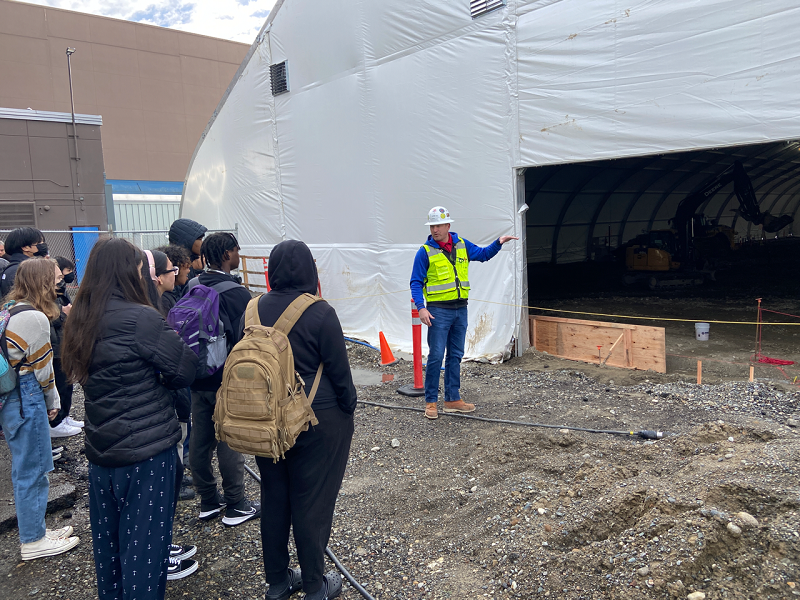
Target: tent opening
point(584, 217)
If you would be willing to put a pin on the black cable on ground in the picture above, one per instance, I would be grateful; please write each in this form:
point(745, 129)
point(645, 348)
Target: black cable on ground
point(647, 434)
point(359, 588)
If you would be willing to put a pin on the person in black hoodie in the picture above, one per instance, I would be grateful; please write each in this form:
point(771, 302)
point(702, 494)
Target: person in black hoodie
point(20, 245)
point(127, 359)
point(301, 490)
point(189, 234)
point(221, 253)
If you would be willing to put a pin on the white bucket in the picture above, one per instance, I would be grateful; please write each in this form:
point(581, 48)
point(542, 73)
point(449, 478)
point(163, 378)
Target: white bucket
point(701, 331)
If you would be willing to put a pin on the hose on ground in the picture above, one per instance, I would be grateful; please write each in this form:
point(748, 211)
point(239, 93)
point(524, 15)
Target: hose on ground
point(359, 588)
point(647, 434)
point(347, 339)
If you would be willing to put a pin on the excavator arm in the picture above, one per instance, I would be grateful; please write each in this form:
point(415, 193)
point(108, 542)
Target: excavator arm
point(748, 206)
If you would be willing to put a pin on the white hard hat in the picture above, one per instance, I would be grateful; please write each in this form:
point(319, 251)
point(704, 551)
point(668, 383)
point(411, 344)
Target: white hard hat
point(438, 215)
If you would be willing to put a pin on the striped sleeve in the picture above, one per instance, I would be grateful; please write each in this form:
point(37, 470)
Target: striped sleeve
point(28, 343)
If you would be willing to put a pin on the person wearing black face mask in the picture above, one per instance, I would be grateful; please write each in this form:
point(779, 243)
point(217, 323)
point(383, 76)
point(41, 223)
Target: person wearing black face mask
point(63, 425)
point(21, 244)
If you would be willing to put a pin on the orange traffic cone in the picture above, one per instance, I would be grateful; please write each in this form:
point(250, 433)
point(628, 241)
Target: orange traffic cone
point(387, 358)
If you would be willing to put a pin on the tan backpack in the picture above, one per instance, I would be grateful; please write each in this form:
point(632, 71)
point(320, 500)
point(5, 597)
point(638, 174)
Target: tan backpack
point(261, 405)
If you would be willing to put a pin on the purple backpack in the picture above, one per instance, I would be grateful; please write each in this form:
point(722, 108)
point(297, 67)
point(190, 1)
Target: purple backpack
point(196, 319)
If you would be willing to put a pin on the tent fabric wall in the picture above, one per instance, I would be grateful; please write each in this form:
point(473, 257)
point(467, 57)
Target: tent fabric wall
point(397, 107)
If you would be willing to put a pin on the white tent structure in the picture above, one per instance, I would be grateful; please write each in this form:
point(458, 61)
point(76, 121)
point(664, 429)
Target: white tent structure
point(348, 121)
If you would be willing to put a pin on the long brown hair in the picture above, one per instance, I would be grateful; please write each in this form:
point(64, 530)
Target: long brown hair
point(113, 266)
point(35, 283)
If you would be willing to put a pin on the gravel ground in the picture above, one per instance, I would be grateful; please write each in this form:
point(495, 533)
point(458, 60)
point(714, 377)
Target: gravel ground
point(458, 508)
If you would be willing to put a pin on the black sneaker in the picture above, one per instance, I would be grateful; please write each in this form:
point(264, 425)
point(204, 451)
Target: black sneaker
point(243, 511)
point(182, 552)
point(178, 569)
point(211, 510)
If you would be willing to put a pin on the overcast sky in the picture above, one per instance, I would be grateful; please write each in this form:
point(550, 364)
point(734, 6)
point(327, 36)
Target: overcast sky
point(238, 20)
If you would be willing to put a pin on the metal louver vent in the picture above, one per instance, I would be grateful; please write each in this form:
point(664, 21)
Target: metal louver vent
point(279, 78)
point(17, 214)
point(481, 7)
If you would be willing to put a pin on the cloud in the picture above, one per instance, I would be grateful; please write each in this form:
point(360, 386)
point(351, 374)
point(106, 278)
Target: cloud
point(168, 14)
point(238, 20)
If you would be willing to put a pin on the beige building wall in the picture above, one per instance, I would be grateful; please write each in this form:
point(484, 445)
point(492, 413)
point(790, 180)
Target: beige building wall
point(155, 88)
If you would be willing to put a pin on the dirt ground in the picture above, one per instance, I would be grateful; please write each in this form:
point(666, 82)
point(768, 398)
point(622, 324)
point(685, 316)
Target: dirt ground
point(459, 508)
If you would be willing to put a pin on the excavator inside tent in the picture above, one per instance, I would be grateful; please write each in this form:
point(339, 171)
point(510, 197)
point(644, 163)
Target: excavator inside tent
point(692, 223)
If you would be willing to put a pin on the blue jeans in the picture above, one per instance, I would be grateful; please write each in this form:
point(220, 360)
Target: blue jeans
point(448, 330)
point(27, 431)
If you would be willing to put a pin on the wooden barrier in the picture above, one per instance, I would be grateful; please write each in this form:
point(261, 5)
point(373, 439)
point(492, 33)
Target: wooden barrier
point(263, 263)
point(620, 345)
point(260, 261)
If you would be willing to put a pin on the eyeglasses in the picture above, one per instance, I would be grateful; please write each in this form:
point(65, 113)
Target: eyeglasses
point(173, 270)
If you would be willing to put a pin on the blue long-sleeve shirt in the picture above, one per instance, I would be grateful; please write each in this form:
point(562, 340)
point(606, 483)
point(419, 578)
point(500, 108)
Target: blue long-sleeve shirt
point(421, 263)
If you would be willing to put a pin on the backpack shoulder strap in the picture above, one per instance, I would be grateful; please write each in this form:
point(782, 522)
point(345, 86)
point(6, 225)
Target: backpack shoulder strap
point(316, 384)
point(224, 286)
point(251, 312)
point(18, 308)
point(294, 311)
point(14, 310)
point(192, 282)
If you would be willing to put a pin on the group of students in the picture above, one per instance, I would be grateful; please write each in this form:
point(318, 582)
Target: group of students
point(140, 395)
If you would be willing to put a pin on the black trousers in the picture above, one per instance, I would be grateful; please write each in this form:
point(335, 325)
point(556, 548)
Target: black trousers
point(202, 444)
point(65, 390)
point(301, 491)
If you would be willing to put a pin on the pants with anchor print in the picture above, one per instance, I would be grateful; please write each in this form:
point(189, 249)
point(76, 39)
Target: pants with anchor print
point(131, 517)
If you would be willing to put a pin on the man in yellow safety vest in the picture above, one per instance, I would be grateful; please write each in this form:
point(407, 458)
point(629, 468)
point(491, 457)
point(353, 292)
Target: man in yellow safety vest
point(440, 277)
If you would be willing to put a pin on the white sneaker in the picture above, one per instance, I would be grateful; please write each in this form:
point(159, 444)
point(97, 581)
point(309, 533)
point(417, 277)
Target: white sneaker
point(72, 422)
point(59, 534)
point(64, 430)
point(47, 546)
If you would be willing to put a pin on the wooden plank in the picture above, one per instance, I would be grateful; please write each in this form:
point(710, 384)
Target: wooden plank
point(546, 337)
point(643, 347)
point(581, 322)
point(244, 271)
point(628, 357)
point(610, 350)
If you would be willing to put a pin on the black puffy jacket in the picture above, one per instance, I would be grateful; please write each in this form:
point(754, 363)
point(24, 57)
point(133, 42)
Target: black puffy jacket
point(129, 411)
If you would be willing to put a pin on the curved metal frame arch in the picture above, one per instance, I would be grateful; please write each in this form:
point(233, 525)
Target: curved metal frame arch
point(794, 214)
point(627, 174)
point(567, 203)
point(764, 162)
point(785, 174)
point(704, 206)
point(781, 195)
point(530, 195)
point(677, 183)
point(634, 201)
point(792, 187)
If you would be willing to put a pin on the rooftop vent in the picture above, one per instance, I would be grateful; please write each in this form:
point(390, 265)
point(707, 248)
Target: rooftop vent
point(279, 78)
point(481, 7)
point(17, 214)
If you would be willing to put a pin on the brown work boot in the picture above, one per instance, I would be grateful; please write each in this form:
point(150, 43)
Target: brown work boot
point(430, 410)
point(459, 406)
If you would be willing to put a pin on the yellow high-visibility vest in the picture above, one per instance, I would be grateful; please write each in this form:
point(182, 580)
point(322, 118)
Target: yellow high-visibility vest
point(445, 281)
